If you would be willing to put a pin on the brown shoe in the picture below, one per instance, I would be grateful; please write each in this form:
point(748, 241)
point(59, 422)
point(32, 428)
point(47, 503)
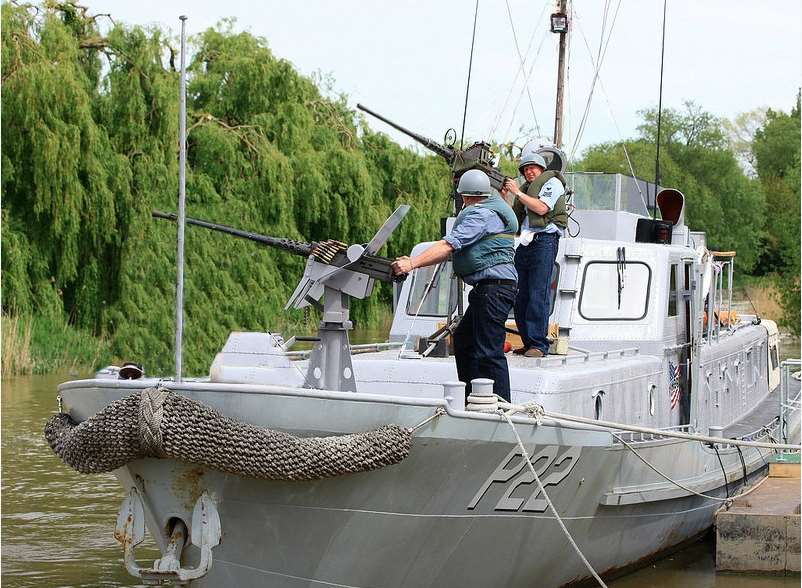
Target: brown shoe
point(533, 352)
point(520, 350)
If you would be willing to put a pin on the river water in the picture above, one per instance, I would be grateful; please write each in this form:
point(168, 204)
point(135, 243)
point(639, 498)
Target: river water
point(57, 525)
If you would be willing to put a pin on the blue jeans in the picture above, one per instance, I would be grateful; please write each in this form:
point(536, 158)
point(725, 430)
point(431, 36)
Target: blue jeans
point(479, 337)
point(534, 264)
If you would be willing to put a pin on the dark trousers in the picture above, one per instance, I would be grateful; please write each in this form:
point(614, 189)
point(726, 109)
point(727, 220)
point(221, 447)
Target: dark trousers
point(534, 264)
point(479, 337)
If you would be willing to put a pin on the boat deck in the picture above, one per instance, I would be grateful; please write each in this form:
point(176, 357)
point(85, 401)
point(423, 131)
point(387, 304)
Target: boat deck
point(762, 414)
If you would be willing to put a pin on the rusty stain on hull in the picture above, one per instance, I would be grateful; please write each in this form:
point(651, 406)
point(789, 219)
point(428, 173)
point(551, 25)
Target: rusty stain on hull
point(188, 486)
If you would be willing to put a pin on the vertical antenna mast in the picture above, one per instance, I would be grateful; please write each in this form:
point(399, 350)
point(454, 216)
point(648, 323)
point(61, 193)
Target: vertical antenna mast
point(559, 24)
point(182, 192)
point(659, 113)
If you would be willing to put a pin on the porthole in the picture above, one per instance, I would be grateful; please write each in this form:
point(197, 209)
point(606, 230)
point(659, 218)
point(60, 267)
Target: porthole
point(597, 405)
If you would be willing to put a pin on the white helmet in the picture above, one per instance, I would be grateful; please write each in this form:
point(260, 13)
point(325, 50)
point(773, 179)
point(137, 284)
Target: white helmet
point(474, 182)
point(531, 158)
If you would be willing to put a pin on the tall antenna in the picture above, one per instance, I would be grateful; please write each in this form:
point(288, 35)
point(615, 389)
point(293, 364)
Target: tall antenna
point(468, 86)
point(659, 115)
point(182, 193)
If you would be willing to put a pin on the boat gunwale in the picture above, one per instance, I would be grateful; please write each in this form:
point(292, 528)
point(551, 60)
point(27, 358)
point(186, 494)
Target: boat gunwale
point(215, 387)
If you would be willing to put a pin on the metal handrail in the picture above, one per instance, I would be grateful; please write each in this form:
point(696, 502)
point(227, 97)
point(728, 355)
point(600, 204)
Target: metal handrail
point(785, 375)
point(360, 348)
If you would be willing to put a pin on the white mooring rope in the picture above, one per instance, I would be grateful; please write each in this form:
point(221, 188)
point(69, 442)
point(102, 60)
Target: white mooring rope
point(548, 501)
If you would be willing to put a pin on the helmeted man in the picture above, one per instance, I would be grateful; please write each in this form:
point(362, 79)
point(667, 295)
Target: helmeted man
point(540, 209)
point(482, 244)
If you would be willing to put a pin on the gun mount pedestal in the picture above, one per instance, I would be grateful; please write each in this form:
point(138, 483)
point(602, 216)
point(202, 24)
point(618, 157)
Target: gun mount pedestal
point(330, 365)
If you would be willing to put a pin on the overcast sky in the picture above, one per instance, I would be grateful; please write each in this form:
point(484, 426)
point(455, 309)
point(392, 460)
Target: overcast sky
point(409, 60)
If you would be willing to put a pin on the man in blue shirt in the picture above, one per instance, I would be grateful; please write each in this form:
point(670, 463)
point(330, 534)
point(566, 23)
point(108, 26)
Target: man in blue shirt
point(540, 209)
point(481, 241)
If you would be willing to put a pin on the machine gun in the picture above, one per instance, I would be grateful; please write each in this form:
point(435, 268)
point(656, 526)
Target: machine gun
point(329, 252)
point(335, 272)
point(477, 156)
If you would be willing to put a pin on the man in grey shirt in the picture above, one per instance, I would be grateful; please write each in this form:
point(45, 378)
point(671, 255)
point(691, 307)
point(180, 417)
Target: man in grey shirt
point(481, 241)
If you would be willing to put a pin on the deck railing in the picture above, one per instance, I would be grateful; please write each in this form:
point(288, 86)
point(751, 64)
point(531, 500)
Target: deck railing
point(786, 403)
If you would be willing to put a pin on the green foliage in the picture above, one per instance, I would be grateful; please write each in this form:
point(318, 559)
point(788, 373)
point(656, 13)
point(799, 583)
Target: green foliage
point(776, 149)
point(695, 159)
point(89, 147)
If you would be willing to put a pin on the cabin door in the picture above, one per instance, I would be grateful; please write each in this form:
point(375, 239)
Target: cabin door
point(679, 329)
point(685, 405)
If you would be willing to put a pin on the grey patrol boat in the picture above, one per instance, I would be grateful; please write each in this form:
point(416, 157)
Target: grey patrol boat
point(372, 470)
point(614, 428)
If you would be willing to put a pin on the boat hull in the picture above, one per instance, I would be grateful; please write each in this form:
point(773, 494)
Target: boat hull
point(461, 510)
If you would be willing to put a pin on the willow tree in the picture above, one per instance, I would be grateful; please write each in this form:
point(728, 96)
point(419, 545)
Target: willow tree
point(90, 128)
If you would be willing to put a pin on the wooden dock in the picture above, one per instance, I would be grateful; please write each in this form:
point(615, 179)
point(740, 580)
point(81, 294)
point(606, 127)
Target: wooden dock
point(760, 532)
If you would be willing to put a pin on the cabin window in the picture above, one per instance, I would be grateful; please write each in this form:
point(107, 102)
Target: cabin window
point(615, 292)
point(687, 279)
point(436, 303)
point(775, 361)
point(672, 290)
point(652, 399)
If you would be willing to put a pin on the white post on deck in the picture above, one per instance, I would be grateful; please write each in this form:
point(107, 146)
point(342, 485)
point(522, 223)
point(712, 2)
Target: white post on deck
point(182, 187)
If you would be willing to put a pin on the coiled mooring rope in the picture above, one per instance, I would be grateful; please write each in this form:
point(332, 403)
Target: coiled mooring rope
point(157, 422)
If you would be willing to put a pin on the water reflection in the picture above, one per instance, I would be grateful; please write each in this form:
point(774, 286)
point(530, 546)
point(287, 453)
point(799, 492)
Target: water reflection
point(57, 524)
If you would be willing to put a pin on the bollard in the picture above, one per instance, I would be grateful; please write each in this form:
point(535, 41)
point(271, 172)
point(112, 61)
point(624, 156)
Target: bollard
point(454, 393)
point(482, 398)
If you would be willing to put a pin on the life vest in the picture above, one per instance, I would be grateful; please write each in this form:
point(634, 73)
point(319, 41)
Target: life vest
point(492, 249)
point(556, 215)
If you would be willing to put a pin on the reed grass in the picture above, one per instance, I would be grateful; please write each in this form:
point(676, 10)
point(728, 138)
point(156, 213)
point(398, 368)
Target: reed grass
point(16, 357)
point(40, 345)
point(764, 297)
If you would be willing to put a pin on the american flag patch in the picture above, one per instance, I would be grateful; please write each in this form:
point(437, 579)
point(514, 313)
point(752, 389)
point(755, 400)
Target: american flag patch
point(674, 389)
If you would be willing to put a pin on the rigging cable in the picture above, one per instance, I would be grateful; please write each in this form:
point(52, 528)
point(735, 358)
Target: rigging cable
point(596, 68)
point(468, 85)
point(518, 72)
point(521, 58)
point(615, 121)
point(659, 114)
point(457, 197)
point(525, 87)
point(603, 46)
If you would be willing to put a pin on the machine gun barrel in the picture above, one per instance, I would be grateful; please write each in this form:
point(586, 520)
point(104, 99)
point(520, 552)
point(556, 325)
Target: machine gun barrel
point(297, 247)
point(477, 156)
point(328, 252)
point(441, 150)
